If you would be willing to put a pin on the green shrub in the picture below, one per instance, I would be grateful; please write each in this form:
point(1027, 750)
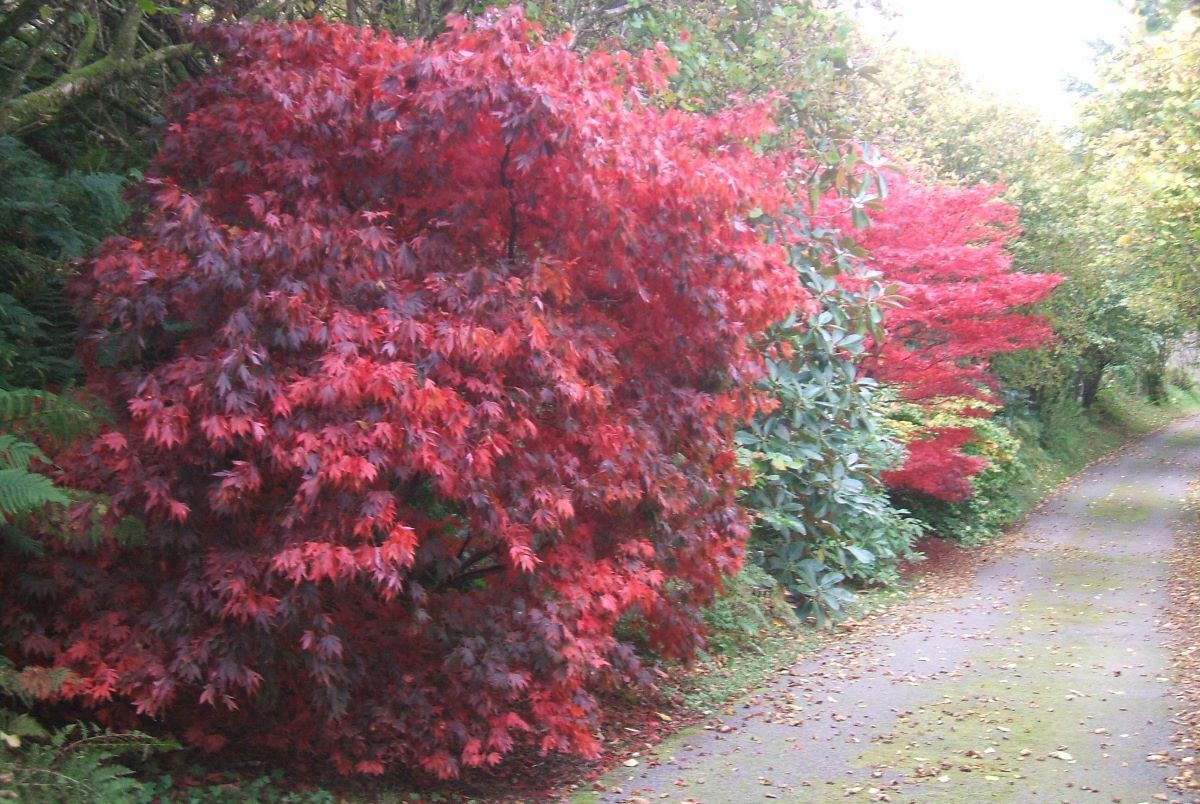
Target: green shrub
point(823, 519)
point(995, 501)
point(76, 763)
point(1030, 451)
point(751, 606)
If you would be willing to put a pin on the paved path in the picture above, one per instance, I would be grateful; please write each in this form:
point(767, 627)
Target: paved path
point(1041, 679)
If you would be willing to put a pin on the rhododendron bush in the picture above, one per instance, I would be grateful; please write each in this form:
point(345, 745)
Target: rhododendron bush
point(944, 249)
point(426, 360)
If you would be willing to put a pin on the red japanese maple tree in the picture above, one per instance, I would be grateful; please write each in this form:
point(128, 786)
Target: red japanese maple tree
point(426, 361)
point(944, 248)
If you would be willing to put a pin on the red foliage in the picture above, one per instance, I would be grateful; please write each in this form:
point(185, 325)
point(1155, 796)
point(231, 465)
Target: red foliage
point(428, 359)
point(944, 248)
point(936, 466)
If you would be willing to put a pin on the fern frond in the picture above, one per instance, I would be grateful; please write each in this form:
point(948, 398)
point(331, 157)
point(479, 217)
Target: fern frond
point(95, 202)
point(93, 737)
point(18, 725)
point(22, 492)
point(16, 453)
point(82, 781)
point(53, 414)
point(77, 763)
point(17, 316)
point(22, 403)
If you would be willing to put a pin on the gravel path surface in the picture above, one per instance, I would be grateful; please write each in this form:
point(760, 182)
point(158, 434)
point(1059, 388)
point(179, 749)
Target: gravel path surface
point(1041, 678)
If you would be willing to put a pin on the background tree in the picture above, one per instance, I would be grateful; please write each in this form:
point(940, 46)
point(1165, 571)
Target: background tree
point(1142, 139)
point(955, 132)
point(1162, 14)
point(1107, 314)
point(104, 64)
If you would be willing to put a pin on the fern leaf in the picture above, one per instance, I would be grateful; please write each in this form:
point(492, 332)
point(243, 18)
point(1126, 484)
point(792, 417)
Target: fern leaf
point(16, 453)
point(17, 316)
point(22, 492)
point(22, 403)
point(77, 763)
point(50, 413)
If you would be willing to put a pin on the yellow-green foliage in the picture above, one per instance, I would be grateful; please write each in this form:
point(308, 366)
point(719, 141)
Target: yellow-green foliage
point(992, 504)
point(992, 441)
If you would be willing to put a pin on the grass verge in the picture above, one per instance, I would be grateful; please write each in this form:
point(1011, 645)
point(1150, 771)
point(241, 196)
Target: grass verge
point(1073, 438)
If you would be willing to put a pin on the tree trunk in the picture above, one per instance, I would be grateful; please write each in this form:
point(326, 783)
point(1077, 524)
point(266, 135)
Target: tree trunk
point(1092, 375)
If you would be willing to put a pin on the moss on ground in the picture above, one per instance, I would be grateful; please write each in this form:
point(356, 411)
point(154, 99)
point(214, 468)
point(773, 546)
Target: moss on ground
point(1128, 505)
point(1184, 439)
point(981, 734)
point(1000, 727)
point(671, 746)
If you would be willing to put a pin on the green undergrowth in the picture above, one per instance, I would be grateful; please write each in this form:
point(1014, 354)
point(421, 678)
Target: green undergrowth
point(1046, 450)
point(750, 610)
point(271, 788)
point(722, 676)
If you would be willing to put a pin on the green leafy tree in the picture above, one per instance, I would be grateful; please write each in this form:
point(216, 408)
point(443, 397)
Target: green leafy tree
point(1161, 14)
point(1140, 133)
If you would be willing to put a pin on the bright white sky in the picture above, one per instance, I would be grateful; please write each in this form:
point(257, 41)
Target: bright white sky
point(1023, 50)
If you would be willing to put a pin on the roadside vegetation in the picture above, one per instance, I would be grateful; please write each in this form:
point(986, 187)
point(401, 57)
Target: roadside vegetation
point(391, 396)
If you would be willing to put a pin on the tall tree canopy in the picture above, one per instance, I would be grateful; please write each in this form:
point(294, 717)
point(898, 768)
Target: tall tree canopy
point(1142, 137)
